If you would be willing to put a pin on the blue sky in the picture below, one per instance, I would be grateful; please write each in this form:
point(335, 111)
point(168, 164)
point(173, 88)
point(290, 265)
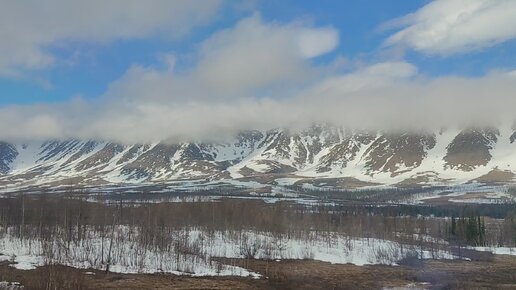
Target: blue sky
point(172, 53)
point(86, 69)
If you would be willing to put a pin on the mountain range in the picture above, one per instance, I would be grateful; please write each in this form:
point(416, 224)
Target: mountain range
point(320, 155)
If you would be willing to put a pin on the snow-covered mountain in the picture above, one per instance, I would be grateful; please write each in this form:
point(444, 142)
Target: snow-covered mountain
point(347, 158)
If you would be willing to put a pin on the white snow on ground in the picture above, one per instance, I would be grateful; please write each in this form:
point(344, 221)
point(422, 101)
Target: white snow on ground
point(56, 168)
point(28, 262)
point(336, 249)
point(488, 198)
point(458, 194)
point(497, 250)
point(126, 257)
point(23, 261)
point(287, 181)
point(4, 285)
point(197, 248)
point(478, 201)
point(27, 156)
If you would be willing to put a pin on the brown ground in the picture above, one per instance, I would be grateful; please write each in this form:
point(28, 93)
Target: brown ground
point(468, 197)
point(500, 273)
point(341, 182)
point(497, 176)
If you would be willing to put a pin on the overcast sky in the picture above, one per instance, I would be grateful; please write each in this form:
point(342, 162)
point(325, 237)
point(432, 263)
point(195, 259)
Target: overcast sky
point(143, 71)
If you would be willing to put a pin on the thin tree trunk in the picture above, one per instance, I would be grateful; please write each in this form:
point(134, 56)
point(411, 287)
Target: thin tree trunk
point(110, 244)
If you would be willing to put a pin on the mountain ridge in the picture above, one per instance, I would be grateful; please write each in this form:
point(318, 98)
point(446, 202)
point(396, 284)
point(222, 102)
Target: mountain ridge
point(449, 156)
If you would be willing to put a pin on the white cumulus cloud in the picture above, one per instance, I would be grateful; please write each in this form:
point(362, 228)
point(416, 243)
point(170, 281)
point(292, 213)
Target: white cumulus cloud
point(385, 96)
point(240, 61)
point(28, 28)
point(445, 27)
point(315, 42)
point(262, 75)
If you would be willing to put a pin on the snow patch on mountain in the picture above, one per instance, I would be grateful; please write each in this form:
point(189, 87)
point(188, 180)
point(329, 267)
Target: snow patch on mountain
point(447, 156)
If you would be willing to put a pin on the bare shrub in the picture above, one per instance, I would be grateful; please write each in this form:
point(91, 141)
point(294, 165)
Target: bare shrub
point(410, 258)
point(249, 249)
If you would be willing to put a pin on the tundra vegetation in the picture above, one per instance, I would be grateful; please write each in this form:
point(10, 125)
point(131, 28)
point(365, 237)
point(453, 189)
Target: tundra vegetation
point(194, 237)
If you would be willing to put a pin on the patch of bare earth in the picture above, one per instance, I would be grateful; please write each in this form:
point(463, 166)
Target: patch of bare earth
point(469, 197)
point(61, 277)
point(341, 182)
point(497, 176)
point(498, 273)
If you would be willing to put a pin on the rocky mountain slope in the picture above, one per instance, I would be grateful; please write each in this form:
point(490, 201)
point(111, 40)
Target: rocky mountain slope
point(321, 152)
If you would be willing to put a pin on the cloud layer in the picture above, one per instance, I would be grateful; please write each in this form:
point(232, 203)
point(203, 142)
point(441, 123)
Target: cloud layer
point(233, 63)
point(257, 75)
point(454, 26)
point(386, 96)
point(29, 28)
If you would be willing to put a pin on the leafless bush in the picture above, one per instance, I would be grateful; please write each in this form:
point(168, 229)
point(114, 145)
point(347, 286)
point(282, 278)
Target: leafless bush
point(410, 258)
point(387, 254)
point(249, 248)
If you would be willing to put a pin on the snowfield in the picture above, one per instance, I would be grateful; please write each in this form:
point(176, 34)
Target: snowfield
point(322, 151)
point(193, 255)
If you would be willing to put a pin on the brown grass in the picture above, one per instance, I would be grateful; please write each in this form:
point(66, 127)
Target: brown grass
point(287, 274)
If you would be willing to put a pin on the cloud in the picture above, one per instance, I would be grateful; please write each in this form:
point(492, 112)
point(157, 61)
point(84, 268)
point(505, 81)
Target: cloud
point(401, 99)
point(260, 75)
point(445, 27)
point(241, 61)
point(29, 28)
point(255, 54)
point(381, 96)
point(366, 78)
point(315, 42)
